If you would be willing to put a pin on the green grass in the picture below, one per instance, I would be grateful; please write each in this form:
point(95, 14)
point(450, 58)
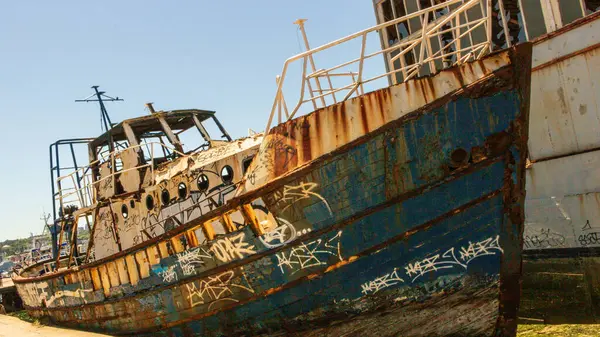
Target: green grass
point(24, 316)
point(562, 330)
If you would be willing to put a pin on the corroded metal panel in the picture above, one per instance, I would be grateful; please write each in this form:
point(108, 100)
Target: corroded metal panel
point(563, 202)
point(417, 221)
point(565, 106)
point(330, 128)
point(572, 175)
point(563, 222)
point(571, 39)
point(565, 92)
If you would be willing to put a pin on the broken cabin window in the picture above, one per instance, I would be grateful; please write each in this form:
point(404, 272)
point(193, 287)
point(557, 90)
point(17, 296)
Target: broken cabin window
point(246, 164)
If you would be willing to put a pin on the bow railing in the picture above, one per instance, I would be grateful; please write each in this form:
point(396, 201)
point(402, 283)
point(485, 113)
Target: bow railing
point(451, 32)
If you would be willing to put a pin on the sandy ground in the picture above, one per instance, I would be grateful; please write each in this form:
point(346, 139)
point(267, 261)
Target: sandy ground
point(12, 326)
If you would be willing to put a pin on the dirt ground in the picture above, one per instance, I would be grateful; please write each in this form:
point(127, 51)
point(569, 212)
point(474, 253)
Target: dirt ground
point(12, 326)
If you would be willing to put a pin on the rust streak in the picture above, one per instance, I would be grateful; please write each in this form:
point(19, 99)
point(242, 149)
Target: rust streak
point(380, 99)
point(345, 131)
point(306, 142)
point(363, 115)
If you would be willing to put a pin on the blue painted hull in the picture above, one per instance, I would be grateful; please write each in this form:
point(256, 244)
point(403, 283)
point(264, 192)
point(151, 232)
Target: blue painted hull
point(439, 251)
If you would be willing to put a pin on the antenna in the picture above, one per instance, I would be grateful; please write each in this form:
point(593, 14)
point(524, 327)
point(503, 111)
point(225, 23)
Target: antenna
point(45, 217)
point(101, 98)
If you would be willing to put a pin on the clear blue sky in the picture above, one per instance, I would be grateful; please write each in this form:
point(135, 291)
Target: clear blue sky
point(216, 55)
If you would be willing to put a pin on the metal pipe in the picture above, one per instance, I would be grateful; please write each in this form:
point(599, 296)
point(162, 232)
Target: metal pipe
point(150, 107)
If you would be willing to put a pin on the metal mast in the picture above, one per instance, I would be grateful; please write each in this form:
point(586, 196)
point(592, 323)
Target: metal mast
point(101, 98)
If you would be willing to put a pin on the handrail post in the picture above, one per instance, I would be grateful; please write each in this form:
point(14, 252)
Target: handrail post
point(300, 23)
point(282, 100)
point(152, 163)
point(489, 24)
point(302, 89)
point(504, 24)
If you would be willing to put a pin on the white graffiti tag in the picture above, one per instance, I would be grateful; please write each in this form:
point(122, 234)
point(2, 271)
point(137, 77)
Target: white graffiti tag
point(214, 289)
point(488, 246)
point(309, 254)
point(448, 259)
point(79, 293)
point(433, 263)
point(279, 236)
point(291, 194)
point(188, 260)
point(168, 275)
point(382, 282)
point(231, 248)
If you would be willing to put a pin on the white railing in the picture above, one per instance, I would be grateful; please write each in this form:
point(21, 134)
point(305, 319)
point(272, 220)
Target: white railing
point(79, 188)
point(449, 18)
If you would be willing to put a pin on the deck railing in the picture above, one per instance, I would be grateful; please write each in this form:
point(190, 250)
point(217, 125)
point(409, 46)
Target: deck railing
point(452, 19)
point(80, 189)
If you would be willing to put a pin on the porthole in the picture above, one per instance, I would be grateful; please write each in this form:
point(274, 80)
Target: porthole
point(124, 211)
point(182, 190)
point(203, 183)
point(227, 174)
point(149, 202)
point(131, 204)
point(165, 197)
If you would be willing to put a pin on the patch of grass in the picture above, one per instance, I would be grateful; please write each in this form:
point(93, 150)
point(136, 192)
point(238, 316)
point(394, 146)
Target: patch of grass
point(562, 330)
point(24, 316)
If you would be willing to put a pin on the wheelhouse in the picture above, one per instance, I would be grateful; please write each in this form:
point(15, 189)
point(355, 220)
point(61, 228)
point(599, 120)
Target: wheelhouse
point(141, 173)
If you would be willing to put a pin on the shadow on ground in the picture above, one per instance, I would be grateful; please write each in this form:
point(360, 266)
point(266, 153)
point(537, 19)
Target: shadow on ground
point(561, 291)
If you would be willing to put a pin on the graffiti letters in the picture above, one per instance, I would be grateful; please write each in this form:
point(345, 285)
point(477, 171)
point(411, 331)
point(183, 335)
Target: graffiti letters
point(79, 293)
point(382, 282)
point(589, 238)
point(433, 263)
point(187, 210)
point(310, 254)
point(590, 235)
point(168, 275)
point(292, 194)
point(273, 148)
point(488, 246)
point(448, 259)
point(281, 235)
point(545, 238)
point(230, 248)
point(214, 289)
point(189, 259)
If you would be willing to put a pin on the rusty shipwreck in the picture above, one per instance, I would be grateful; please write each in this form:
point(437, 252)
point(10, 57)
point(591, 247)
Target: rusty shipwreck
point(364, 210)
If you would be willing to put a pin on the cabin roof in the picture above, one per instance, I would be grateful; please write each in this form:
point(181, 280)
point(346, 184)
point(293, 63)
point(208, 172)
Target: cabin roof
point(150, 123)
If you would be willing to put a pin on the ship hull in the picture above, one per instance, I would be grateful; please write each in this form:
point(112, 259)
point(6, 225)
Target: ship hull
point(412, 227)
